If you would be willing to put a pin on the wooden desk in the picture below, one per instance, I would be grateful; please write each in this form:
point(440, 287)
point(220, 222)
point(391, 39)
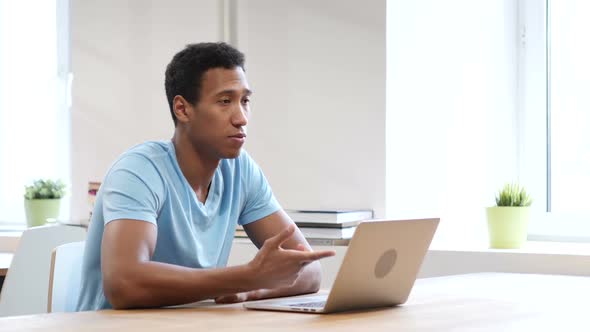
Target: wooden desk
point(5, 259)
point(482, 302)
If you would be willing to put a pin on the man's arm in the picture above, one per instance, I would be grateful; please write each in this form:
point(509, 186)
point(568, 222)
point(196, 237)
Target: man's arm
point(132, 280)
point(260, 231)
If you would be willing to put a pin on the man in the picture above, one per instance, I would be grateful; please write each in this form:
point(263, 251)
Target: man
point(165, 216)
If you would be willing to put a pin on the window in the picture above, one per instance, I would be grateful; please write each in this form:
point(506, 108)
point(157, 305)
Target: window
point(451, 100)
point(556, 146)
point(569, 106)
point(34, 119)
point(482, 93)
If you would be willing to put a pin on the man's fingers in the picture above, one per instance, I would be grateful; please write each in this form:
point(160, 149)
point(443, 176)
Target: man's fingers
point(309, 256)
point(226, 299)
point(285, 234)
point(232, 298)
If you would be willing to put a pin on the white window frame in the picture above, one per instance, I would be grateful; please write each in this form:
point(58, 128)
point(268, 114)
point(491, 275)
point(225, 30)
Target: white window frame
point(533, 117)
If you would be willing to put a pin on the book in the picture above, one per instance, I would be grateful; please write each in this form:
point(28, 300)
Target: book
point(317, 233)
point(328, 242)
point(327, 233)
point(241, 233)
point(329, 216)
point(93, 187)
point(343, 224)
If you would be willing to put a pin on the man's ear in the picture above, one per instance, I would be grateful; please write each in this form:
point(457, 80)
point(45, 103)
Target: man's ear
point(182, 108)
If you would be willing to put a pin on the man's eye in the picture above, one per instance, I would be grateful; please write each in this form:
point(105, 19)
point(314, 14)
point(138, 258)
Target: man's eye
point(246, 100)
point(225, 101)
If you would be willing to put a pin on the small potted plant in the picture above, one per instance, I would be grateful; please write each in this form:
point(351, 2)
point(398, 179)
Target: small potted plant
point(42, 201)
point(508, 220)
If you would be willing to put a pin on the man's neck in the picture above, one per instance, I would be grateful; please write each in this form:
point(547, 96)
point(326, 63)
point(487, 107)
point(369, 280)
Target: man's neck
point(196, 168)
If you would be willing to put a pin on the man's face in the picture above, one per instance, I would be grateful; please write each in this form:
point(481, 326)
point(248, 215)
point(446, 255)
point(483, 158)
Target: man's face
point(217, 123)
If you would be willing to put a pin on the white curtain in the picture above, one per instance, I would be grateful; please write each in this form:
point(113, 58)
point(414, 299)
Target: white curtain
point(34, 119)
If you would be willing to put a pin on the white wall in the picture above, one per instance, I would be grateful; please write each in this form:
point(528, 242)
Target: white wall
point(452, 100)
point(318, 119)
point(120, 50)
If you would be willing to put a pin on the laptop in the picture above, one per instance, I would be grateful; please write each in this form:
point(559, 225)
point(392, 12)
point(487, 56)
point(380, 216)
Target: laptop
point(379, 269)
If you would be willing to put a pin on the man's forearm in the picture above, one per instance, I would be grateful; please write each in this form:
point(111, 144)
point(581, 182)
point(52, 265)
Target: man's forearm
point(154, 284)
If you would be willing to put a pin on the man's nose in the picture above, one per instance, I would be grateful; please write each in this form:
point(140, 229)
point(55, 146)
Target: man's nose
point(241, 118)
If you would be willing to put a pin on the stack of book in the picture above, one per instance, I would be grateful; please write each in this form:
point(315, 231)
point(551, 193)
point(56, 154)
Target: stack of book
point(324, 227)
point(329, 227)
point(93, 187)
point(240, 232)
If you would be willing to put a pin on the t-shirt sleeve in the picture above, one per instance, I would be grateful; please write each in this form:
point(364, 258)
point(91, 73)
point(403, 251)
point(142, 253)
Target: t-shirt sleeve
point(133, 189)
point(259, 200)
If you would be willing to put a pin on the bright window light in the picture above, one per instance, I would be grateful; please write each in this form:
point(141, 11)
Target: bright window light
point(34, 121)
point(569, 82)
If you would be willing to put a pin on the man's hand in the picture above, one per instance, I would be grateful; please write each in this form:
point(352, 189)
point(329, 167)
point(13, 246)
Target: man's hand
point(263, 293)
point(275, 267)
point(234, 298)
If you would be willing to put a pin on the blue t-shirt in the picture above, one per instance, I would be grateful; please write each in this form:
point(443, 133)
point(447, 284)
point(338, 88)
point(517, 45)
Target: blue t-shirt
point(146, 183)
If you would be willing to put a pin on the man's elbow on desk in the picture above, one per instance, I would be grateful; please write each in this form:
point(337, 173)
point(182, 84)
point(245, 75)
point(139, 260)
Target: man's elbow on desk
point(315, 277)
point(122, 291)
point(310, 279)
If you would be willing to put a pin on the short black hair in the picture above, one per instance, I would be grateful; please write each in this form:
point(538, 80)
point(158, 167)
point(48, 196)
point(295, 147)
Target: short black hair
point(185, 72)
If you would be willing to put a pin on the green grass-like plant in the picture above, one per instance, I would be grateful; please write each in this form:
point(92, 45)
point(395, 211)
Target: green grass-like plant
point(513, 195)
point(45, 189)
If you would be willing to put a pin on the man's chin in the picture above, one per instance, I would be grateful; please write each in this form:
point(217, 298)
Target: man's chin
point(232, 154)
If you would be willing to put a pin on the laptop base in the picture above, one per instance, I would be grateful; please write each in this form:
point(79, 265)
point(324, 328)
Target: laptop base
point(297, 304)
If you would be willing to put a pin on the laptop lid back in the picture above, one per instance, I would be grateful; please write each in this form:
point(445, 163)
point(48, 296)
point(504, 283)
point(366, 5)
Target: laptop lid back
point(381, 264)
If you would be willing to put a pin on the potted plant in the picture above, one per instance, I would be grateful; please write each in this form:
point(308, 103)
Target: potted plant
point(42, 201)
point(508, 220)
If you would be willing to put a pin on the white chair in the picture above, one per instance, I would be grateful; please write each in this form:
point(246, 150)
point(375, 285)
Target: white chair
point(25, 287)
point(65, 275)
